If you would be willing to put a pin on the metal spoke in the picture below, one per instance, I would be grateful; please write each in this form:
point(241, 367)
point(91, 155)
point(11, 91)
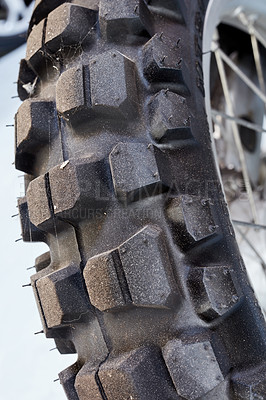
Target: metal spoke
point(240, 73)
point(252, 247)
point(249, 224)
point(259, 36)
point(249, 23)
point(257, 59)
point(237, 139)
point(239, 121)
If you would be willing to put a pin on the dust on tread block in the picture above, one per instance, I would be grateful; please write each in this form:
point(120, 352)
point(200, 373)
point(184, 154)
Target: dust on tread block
point(119, 21)
point(148, 284)
point(62, 297)
point(125, 376)
point(35, 127)
point(113, 85)
point(35, 48)
point(69, 25)
point(67, 379)
point(214, 291)
point(170, 120)
point(41, 9)
point(192, 220)
point(43, 261)
point(85, 93)
point(134, 171)
point(65, 346)
point(74, 187)
point(73, 94)
point(163, 62)
point(102, 282)
point(125, 275)
point(38, 203)
point(30, 233)
point(86, 384)
point(193, 367)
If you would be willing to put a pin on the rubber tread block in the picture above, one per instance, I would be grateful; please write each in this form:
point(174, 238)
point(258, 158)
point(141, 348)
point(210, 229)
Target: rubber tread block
point(134, 172)
point(36, 122)
point(163, 62)
point(170, 119)
point(193, 367)
point(43, 261)
point(67, 380)
point(214, 291)
point(139, 375)
point(38, 203)
point(35, 47)
point(102, 282)
point(119, 20)
point(69, 25)
point(65, 346)
point(149, 283)
point(152, 17)
point(62, 296)
point(30, 233)
point(91, 4)
point(86, 384)
point(74, 188)
point(198, 217)
point(41, 10)
point(113, 85)
point(35, 126)
point(192, 220)
point(44, 7)
point(73, 94)
point(126, 276)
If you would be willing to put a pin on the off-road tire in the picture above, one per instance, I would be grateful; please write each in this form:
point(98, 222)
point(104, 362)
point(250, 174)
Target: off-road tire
point(143, 279)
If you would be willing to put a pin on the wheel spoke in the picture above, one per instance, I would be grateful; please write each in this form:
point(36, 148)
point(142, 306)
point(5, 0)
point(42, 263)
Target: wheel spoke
point(252, 247)
point(249, 224)
point(240, 73)
point(221, 70)
point(249, 23)
point(257, 59)
point(239, 121)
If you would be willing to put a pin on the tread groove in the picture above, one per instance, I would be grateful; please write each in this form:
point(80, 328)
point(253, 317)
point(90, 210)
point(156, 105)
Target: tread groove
point(98, 381)
point(44, 33)
point(49, 194)
point(62, 137)
point(121, 277)
point(97, 314)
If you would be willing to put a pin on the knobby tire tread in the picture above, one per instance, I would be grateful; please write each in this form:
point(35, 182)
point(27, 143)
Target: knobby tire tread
point(143, 279)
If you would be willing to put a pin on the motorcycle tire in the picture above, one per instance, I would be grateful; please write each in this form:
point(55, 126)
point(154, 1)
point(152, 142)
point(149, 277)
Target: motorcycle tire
point(143, 279)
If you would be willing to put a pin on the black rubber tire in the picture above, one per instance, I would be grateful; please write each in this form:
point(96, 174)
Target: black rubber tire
point(143, 280)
